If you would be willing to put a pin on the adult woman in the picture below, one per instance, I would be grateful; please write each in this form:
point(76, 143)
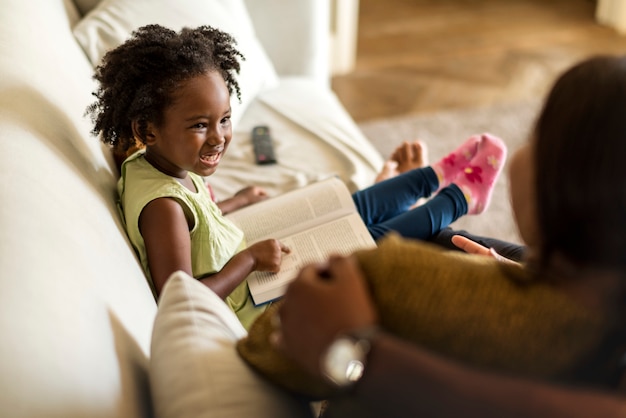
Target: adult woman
point(569, 200)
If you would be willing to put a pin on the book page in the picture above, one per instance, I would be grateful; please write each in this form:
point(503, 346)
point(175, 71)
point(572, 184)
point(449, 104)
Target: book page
point(295, 211)
point(341, 236)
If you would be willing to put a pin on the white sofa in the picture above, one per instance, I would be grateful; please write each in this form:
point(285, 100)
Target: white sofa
point(78, 332)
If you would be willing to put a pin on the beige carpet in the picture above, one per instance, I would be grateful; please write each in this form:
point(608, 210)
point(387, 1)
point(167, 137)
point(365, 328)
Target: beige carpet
point(443, 131)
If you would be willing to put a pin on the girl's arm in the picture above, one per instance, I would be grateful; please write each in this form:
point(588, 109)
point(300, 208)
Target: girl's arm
point(244, 197)
point(165, 231)
point(261, 256)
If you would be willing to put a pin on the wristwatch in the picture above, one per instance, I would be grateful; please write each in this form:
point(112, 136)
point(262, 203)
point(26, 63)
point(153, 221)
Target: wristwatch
point(344, 361)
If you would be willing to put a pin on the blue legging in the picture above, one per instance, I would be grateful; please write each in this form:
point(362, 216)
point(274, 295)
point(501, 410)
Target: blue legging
point(385, 206)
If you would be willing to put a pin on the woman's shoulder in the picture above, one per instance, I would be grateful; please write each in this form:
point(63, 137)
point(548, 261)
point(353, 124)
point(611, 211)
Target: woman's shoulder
point(420, 268)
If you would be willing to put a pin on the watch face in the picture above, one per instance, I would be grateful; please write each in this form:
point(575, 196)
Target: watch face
point(344, 362)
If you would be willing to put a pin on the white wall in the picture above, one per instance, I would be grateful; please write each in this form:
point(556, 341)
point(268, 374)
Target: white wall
point(612, 13)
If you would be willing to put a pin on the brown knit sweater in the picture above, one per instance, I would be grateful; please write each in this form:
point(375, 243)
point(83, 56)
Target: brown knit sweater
point(469, 308)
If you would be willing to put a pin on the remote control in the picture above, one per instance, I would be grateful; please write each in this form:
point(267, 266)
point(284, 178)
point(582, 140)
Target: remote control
point(263, 145)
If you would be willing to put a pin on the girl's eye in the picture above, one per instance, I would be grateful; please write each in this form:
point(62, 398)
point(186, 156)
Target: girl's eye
point(225, 120)
point(200, 125)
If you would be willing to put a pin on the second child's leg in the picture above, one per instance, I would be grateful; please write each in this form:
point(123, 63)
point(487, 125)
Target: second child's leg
point(391, 197)
point(470, 193)
point(426, 220)
point(408, 156)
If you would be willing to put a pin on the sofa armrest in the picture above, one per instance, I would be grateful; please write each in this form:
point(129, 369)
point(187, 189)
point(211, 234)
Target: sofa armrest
point(296, 35)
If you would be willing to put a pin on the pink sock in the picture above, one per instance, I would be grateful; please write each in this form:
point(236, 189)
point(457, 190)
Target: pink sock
point(479, 176)
point(449, 167)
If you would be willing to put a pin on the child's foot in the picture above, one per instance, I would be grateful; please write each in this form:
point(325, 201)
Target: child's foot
point(449, 167)
point(479, 176)
point(389, 170)
point(406, 157)
point(410, 155)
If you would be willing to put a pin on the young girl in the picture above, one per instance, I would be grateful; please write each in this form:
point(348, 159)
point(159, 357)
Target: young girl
point(171, 92)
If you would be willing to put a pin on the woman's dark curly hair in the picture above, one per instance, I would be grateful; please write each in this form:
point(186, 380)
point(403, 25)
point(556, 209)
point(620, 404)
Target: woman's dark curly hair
point(137, 79)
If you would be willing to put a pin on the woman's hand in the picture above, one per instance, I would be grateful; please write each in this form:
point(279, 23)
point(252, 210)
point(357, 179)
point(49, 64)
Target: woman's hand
point(323, 300)
point(472, 247)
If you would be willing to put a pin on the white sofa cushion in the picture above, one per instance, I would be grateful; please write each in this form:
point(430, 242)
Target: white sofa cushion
point(195, 370)
point(77, 311)
point(84, 6)
point(112, 21)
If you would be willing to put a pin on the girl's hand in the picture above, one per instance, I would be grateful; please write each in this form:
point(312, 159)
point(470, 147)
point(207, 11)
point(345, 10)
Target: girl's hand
point(262, 256)
point(242, 198)
point(250, 195)
point(268, 255)
point(322, 301)
point(472, 247)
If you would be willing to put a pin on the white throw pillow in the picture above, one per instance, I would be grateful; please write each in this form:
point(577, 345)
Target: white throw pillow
point(195, 370)
point(112, 22)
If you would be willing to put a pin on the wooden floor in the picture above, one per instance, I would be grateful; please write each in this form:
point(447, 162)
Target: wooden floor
point(417, 56)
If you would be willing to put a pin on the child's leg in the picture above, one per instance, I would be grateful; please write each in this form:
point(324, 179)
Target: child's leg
point(391, 197)
point(426, 220)
point(396, 195)
point(451, 165)
point(406, 157)
point(479, 175)
point(470, 193)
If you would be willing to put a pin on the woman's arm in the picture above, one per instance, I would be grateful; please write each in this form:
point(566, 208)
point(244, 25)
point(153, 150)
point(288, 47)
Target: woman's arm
point(402, 380)
point(472, 247)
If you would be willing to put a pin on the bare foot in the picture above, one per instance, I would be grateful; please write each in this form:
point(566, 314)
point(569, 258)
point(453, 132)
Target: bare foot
point(408, 156)
point(389, 170)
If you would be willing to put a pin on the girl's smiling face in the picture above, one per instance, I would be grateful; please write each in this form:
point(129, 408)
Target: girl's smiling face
point(196, 129)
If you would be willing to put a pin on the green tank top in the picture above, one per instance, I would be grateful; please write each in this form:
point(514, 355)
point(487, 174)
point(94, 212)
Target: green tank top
point(214, 239)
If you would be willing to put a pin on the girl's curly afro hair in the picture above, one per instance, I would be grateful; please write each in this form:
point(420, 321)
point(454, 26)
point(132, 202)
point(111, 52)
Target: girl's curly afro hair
point(137, 79)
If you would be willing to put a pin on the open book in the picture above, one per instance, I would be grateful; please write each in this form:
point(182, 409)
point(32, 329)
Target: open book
point(314, 221)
